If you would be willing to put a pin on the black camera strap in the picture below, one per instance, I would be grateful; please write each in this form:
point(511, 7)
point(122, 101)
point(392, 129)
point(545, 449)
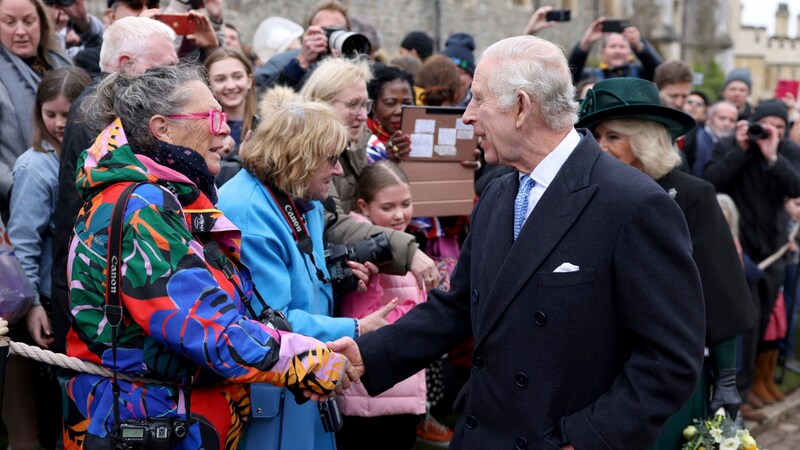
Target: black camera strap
point(113, 307)
point(298, 226)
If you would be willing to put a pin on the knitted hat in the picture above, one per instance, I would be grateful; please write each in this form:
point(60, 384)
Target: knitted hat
point(774, 108)
point(459, 48)
point(419, 41)
point(739, 74)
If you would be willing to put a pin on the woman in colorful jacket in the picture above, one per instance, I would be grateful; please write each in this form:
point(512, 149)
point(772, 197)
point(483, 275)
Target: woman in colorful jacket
point(276, 202)
point(183, 290)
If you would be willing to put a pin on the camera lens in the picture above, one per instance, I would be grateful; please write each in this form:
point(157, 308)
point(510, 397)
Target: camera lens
point(180, 431)
point(755, 132)
point(349, 44)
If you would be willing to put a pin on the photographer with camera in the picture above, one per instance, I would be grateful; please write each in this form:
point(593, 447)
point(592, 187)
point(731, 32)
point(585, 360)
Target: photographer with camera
point(327, 35)
point(276, 202)
point(758, 167)
point(622, 45)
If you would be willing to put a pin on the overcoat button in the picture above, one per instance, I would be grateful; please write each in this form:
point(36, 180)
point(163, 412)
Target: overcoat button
point(471, 422)
point(521, 379)
point(475, 296)
point(539, 318)
point(477, 362)
point(522, 443)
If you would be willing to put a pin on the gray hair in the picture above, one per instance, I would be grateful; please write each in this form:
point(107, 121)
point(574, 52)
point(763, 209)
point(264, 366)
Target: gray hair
point(712, 110)
point(130, 35)
point(538, 68)
point(137, 98)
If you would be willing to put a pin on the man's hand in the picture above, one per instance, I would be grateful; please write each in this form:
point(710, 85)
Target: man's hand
point(538, 21)
point(423, 267)
point(634, 38)
point(39, 326)
point(348, 347)
point(315, 43)
point(741, 135)
point(78, 14)
point(377, 319)
point(592, 34)
point(363, 272)
point(769, 145)
point(204, 35)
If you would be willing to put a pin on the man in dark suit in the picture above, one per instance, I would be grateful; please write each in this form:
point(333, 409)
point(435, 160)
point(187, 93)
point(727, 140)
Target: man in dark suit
point(699, 143)
point(579, 289)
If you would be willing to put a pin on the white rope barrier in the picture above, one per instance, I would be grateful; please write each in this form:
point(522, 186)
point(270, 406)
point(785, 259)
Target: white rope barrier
point(58, 359)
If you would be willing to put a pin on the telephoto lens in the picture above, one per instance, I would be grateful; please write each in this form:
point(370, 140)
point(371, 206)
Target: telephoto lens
point(755, 132)
point(348, 43)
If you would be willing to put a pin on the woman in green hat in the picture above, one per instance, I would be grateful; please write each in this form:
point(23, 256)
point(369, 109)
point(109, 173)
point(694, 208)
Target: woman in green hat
point(626, 119)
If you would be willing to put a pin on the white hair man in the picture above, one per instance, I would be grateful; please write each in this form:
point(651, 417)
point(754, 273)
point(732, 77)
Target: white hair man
point(576, 282)
point(699, 143)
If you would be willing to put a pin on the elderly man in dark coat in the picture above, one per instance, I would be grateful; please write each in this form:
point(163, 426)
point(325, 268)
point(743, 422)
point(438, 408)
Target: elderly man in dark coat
point(576, 282)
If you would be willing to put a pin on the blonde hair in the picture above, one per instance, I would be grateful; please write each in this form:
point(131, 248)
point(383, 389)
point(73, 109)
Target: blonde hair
point(334, 75)
point(650, 142)
point(295, 138)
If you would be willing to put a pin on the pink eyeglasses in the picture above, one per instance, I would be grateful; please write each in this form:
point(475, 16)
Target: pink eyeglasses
point(215, 119)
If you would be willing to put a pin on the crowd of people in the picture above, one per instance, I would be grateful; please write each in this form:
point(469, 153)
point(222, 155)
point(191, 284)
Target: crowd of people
point(176, 201)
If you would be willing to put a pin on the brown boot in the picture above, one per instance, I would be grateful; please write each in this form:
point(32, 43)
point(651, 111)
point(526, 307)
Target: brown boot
point(755, 402)
point(759, 379)
point(772, 387)
point(748, 413)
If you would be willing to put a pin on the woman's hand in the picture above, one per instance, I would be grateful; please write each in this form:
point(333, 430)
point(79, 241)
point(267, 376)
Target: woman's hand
point(398, 146)
point(377, 319)
point(423, 267)
point(228, 144)
point(363, 272)
point(39, 326)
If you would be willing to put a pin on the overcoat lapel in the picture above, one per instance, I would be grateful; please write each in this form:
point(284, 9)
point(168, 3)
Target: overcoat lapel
point(559, 207)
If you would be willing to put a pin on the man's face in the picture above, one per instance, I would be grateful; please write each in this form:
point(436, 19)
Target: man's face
point(617, 50)
point(329, 18)
point(776, 122)
point(723, 120)
point(674, 95)
point(232, 38)
point(494, 127)
point(736, 92)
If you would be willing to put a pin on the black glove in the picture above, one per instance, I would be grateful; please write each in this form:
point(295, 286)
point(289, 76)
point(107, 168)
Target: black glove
point(725, 393)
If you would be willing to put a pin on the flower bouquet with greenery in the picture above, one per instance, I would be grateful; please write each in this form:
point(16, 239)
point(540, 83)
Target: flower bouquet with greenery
point(717, 433)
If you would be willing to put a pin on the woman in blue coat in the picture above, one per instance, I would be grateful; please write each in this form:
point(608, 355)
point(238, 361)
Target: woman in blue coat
point(276, 202)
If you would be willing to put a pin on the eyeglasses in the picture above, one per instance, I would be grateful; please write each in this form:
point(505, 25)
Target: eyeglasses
point(332, 159)
point(354, 106)
point(215, 119)
point(694, 102)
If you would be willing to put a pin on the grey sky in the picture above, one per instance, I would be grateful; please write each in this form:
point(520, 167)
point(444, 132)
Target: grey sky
point(762, 13)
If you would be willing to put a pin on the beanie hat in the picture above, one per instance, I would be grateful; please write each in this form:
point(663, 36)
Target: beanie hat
point(739, 74)
point(459, 48)
point(775, 108)
point(419, 41)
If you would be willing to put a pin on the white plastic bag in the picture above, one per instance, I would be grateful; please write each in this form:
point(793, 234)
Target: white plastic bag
point(16, 293)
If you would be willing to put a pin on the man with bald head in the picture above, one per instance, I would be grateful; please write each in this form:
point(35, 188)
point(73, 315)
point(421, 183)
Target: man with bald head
point(699, 143)
point(576, 281)
point(134, 44)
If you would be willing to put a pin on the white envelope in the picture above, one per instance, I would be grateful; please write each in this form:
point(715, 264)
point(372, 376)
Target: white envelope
point(566, 267)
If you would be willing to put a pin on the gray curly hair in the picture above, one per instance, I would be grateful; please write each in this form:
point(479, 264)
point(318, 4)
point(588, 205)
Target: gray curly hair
point(137, 98)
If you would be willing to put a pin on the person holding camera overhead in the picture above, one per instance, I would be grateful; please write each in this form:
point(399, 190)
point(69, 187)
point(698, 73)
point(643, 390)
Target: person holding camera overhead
point(758, 167)
point(288, 167)
point(622, 45)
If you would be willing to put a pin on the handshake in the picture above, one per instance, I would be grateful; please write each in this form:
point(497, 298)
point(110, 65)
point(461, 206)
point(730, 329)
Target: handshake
point(353, 371)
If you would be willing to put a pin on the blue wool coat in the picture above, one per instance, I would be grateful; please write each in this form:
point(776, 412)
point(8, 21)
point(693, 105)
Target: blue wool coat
point(287, 280)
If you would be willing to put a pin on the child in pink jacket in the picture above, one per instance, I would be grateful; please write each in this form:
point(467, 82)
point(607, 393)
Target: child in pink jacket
point(389, 420)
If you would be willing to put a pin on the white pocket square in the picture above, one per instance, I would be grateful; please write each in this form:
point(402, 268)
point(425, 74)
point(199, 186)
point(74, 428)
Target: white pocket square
point(566, 267)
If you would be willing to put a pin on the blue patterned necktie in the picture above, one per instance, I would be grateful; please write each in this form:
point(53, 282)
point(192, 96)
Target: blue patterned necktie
point(521, 203)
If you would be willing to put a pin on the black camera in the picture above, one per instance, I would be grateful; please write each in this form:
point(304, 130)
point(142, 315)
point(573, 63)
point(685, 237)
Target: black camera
point(614, 26)
point(332, 420)
point(274, 318)
point(348, 43)
point(755, 131)
point(59, 3)
point(376, 250)
point(151, 433)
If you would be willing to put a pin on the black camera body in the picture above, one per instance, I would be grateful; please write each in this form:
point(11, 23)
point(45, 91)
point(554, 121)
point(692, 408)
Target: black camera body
point(614, 25)
point(558, 15)
point(274, 318)
point(151, 433)
point(348, 43)
point(756, 131)
point(376, 250)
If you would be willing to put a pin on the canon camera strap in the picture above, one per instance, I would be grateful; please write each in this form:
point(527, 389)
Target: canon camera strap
point(298, 226)
point(113, 307)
